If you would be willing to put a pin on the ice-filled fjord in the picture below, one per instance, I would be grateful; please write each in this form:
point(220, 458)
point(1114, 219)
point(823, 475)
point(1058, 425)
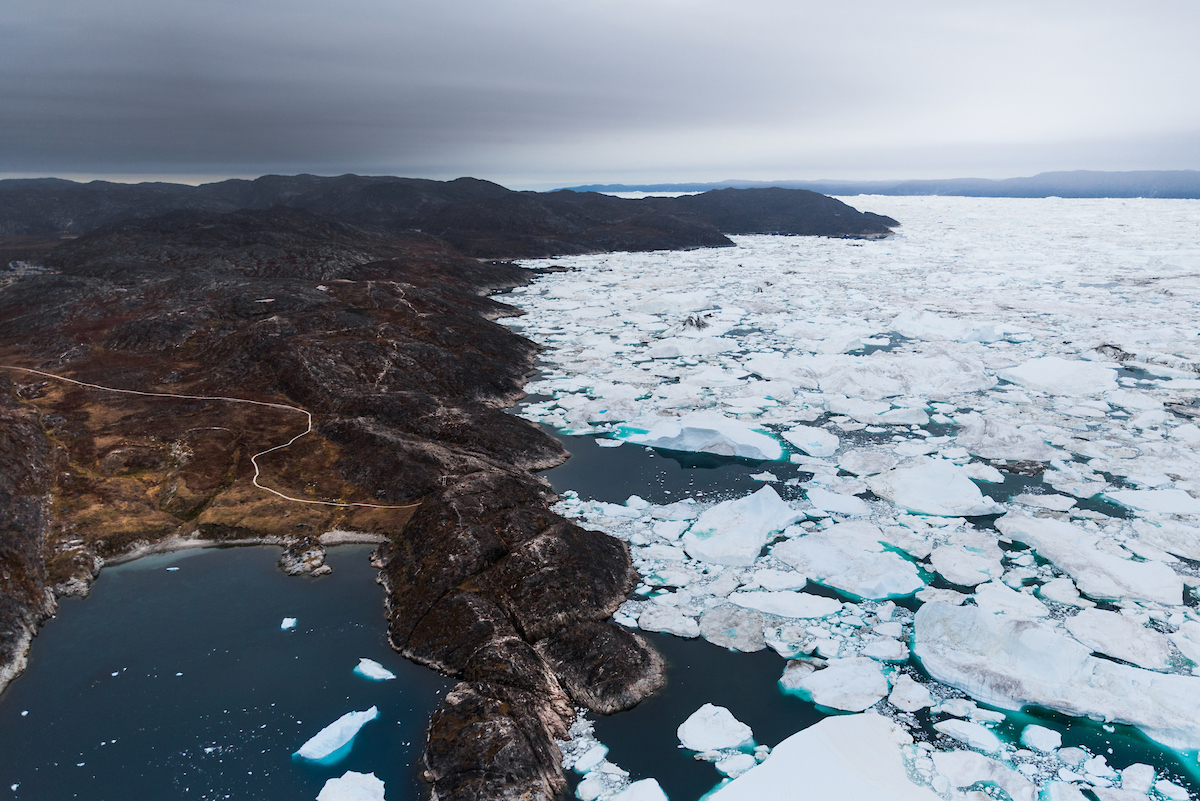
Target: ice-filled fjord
point(978, 522)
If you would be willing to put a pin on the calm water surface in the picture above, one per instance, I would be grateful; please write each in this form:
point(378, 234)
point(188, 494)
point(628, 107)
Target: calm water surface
point(179, 684)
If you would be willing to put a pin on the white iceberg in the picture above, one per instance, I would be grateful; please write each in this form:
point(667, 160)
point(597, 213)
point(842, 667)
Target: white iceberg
point(990, 438)
point(851, 684)
point(866, 463)
point(814, 441)
point(787, 604)
point(734, 532)
point(668, 620)
point(1000, 599)
point(713, 728)
point(850, 557)
point(337, 735)
point(1167, 501)
point(965, 768)
point(936, 487)
point(1011, 662)
point(370, 669)
point(706, 432)
point(973, 734)
point(1098, 573)
point(288, 623)
point(847, 756)
point(352, 786)
point(909, 696)
point(643, 790)
point(1057, 376)
point(1120, 637)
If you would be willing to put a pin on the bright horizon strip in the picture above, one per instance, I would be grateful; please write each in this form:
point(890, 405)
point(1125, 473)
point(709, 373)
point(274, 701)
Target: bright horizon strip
point(254, 458)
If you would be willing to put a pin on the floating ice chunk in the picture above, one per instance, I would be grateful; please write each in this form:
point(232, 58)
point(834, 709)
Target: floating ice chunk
point(964, 768)
point(1171, 790)
point(909, 696)
point(771, 579)
point(1011, 662)
point(605, 442)
point(352, 786)
point(968, 559)
point(972, 734)
point(1039, 738)
point(707, 432)
point(851, 684)
point(814, 441)
point(850, 557)
point(1170, 536)
point(777, 366)
point(936, 487)
point(288, 623)
point(1062, 791)
point(1187, 640)
point(886, 649)
point(847, 756)
point(1056, 503)
point(930, 326)
point(836, 502)
point(671, 529)
point(669, 621)
point(643, 790)
point(998, 598)
point(734, 532)
point(1137, 778)
point(733, 627)
point(1168, 501)
point(736, 765)
point(337, 735)
point(1098, 574)
point(713, 728)
point(787, 604)
point(978, 471)
point(370, 669)
point(590, 758)
point(866, 463)
point(1063, 591)
point(680, 510)
point(1120, 637)
point(1058, 376)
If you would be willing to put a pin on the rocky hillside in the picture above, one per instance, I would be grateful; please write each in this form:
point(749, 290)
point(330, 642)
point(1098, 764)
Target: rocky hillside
point(479, 218)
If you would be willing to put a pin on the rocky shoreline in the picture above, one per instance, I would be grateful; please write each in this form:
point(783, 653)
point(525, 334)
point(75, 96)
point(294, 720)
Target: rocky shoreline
point(388, 339)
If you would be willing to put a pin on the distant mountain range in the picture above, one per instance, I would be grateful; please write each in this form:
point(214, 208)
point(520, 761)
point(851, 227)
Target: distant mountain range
point(1076, 183)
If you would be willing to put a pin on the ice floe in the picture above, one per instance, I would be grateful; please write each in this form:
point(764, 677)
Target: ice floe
point(713, 728)
point(734, 532)
point(352, 786)
point(705, 432)
point(288, 623)
point(935, 487)
point(370, 669)
point(329, 741)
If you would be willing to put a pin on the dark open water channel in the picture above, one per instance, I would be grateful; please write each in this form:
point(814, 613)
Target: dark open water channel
point(181, 685)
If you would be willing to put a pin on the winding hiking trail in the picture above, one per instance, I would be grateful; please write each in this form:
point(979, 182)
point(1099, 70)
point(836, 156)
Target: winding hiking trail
point(254, 458)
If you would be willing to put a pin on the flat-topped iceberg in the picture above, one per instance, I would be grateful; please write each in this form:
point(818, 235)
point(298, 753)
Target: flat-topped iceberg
point(849, 756)
point(352, 786)
point(787, 604)
point(1098, 573)
point(850, 557)
point(1012, 662)
point(1166, 501)
point(936, 487)
point(329, 741)
point(705, 432)
point(851, 685)
point(1058, 376)
point(734, 532)
point(370, 669)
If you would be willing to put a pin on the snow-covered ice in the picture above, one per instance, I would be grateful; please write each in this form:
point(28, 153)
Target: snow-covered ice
point(370, 669)
point(352, 786)
point(979, 352)
point(288, 623)
point(851, 684)
point(331, 739)
point(713, 728)
point(848, 756)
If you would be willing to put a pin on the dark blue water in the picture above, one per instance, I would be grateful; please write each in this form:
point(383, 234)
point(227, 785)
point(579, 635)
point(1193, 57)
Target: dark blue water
point(180, 685)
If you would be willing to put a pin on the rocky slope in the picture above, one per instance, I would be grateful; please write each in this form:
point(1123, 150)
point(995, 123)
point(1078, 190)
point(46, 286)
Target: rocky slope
point(479, 218)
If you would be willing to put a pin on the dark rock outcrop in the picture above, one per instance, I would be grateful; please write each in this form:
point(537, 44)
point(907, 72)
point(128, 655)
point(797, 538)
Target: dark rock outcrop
point(479, 218)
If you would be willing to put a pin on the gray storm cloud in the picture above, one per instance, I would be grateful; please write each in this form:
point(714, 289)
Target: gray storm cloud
point(539, 91)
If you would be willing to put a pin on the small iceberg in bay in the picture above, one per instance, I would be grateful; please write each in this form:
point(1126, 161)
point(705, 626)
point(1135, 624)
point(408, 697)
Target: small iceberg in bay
point(370, 669)
point(287, 624)
point(352, 786)
point(333, 742)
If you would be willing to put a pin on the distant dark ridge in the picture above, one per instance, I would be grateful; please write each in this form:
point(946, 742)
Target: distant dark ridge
point(1077, 183)
point(478, 218)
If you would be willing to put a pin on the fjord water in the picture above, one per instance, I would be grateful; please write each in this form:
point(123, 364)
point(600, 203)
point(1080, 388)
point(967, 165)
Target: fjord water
point(179, 684)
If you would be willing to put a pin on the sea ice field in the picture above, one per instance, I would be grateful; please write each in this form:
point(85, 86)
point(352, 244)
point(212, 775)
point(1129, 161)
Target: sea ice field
point(949, 480)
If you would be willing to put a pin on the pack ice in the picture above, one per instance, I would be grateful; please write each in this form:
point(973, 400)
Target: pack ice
point(979, 366)
point(329, 740)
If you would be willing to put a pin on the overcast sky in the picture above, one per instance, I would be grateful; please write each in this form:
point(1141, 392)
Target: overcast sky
point(539, 93)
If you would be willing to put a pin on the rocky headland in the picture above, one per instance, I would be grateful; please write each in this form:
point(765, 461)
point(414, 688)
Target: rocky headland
point(323, 295)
